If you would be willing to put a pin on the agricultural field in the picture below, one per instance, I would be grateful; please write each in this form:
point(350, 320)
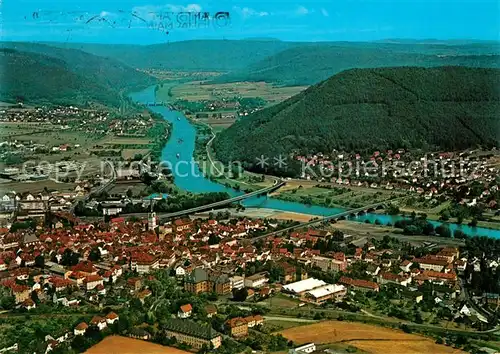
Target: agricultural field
point(125, 345)
point(137, 188)
point(37, 186)
point(197, 91)
point(368, 338)
point(331, 195)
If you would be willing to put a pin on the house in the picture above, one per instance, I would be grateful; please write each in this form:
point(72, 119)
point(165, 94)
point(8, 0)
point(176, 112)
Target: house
point(185, 311)
point(28, 304)
point(202, 281)
point(142, 295)
point(388, 278)
point(99, 322)
point(139, 333)
point(192, 333)
point(405, 266)
point(92, 281)
point(182, 224)
point(358, 284)
point(111, 318)
point(20, 292)
point(134, 283)
point(237, 327)
point(237, 282)
point(144, 263)
point(326, 264)
point(256, 281)
point(80, 329)
point(431, 262)
point(180, 271)
point(303, 349)
point(85, 268)
point(324, 293)
point(211, 310)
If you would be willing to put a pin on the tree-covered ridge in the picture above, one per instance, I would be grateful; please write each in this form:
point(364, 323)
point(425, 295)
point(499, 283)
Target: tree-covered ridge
point(309, 64)
point(39, 79)
point(36, 73)
point(191, 55)
point(371, 109)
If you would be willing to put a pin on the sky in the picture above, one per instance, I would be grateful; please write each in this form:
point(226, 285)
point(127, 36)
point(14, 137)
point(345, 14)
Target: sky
point(153, 21)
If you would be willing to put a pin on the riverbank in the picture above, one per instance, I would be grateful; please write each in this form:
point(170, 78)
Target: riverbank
point(189, 177)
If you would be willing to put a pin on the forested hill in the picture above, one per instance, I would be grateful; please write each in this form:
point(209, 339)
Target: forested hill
point(39, 79)
point(310, 64)
point(372, 109)
point(192, 55)
point(36, 72)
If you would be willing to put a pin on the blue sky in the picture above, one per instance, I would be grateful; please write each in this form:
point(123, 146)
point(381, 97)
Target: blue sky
point(144, 22)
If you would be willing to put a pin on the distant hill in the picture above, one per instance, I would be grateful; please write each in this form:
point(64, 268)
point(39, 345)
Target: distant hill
point(194, 55)
point(309, 64)
point(294, 63)
point(371, 109)
point(39, 72)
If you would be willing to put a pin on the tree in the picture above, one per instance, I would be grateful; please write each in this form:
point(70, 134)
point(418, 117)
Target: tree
point(240, 295)
point(7, 301)
point(94, 255)
point(39, 261)
point(443, 231)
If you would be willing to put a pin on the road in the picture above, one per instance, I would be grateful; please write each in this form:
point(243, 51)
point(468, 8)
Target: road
point(277, 184)
point(289, 319)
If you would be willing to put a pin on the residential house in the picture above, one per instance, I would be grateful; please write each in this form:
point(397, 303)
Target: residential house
point(92, 281)
point(237, 327)
point(80, 329)
point(358, 284)
point(111, 318)
point(185, 311)
point(99, 322)
point(211, 310)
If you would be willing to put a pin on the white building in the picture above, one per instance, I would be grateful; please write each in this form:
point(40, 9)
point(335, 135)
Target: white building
point(306, 348)
point(302, 286)
point(256, 281)
point(237, 282)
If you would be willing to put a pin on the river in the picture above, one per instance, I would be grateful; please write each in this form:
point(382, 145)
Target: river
point(188, 176)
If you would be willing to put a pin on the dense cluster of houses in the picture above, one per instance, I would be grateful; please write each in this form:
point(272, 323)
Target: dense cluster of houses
point(67, 264)
point(428, 175)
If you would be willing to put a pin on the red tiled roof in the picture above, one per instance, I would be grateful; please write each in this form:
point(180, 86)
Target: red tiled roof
point(111, 316)
point(186, 308)
point(359, 283)
point(81, 326)
point(92, 278)
point(236, 322)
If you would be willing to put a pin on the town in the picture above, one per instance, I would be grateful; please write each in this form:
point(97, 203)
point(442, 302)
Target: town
point(204, 283)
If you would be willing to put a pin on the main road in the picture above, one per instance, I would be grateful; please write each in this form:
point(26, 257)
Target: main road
point(277, 184)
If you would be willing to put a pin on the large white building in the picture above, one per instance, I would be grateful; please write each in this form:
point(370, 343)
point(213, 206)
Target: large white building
point(327, 292)
point(303, 286)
